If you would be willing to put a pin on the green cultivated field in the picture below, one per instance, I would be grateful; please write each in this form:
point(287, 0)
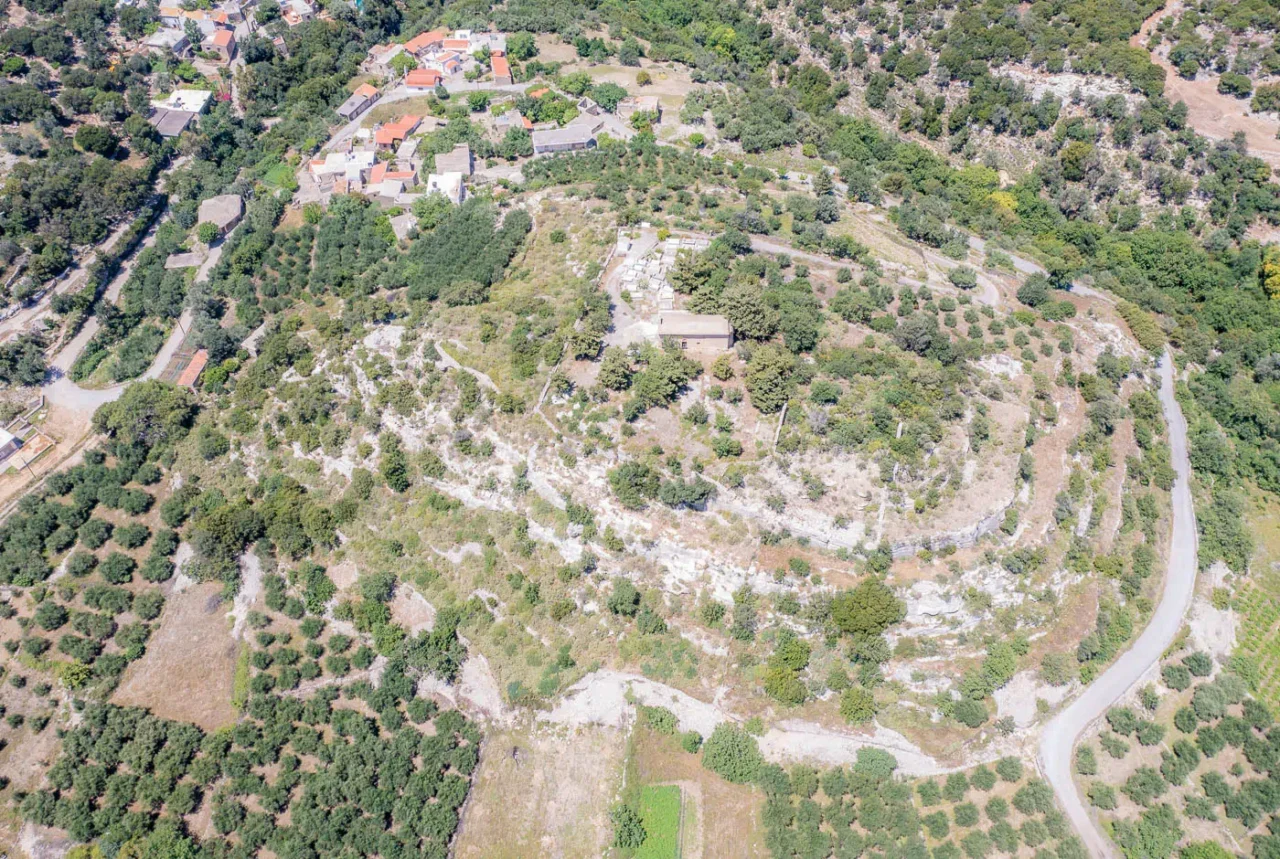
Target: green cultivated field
point(660, 811)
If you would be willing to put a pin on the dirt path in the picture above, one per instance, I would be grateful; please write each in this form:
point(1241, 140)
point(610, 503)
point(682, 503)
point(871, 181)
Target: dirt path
point(1058, 740)
point(608, 698)
point(1209, 112)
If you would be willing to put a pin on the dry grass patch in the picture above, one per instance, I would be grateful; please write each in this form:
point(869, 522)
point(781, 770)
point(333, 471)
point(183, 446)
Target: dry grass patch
point(543, 794)
point(188, 670)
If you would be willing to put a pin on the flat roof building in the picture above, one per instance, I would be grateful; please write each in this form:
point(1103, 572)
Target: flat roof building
point(170, 39)
point(449, 184)
point(696, 332)
point(573, 137)
point(9, 444)
point(457, 161)
point(190, 100)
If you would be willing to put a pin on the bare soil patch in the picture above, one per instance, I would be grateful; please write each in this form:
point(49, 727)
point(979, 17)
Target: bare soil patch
point(189, 667)
point(1209, 112)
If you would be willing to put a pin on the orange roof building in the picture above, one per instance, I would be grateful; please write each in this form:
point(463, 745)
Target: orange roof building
point(381, 171)
point(222, 38)
point(425, 41)
point(394, 133)
point(457, 44)
point(366, 90)
point(191, 373)
point(422, 79)
point(501, 69)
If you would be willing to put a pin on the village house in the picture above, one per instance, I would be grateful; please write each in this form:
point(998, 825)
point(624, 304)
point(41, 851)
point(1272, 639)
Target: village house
point(379, 60)
point(634, 104)
point(169, 40)
point(403, 225)
point(392, 134)
point(501, 70)
point(222, 43)
point(444, 62)
point(495, 43)
point(448, 184)
point(234, 10)
point(509, 120)
point(390, 183)
point(191, 100)
point(364, 97)
point(173, 114)
point(457, 161)
point(223, 211)
point(697, 333)
point(296, 12)
point(191, 373)
point(207, 21)
point(171, 123)
point(422, 80)
point(576, 136)
point(350, 166)
point(425, 43)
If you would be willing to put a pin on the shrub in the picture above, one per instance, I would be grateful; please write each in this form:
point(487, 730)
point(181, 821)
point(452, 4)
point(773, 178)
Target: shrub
point(970, 713)
point(1176, 677)
point(732, 754)
point(1199, 664)
point(118, 568)
point(983, 779)
point(966, 814)
point(1009, 769)
point(1102, 796)
point(1086, 762)
point(628, 830)
point(857, 705)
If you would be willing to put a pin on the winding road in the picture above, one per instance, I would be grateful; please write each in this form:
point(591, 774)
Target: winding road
point(1057, 743)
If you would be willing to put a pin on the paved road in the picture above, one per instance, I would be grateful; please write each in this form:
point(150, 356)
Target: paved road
point(61, 391)
point(1058, 740)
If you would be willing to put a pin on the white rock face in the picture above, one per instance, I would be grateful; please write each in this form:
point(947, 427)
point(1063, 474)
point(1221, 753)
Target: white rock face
point(1017, 698)
point(1214, 630)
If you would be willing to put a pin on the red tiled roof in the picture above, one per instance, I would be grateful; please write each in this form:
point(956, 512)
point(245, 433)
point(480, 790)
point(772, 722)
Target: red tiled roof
point(395, 131)
point(424, 41)
point(222, 38)
point(193, 370)
point(528, 126)
point(422, 77)
point(366, 90)
point(456, 44)
point(501, 68)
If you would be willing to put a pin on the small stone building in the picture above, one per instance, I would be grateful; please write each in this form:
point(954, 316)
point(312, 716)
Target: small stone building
point(697, 333)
